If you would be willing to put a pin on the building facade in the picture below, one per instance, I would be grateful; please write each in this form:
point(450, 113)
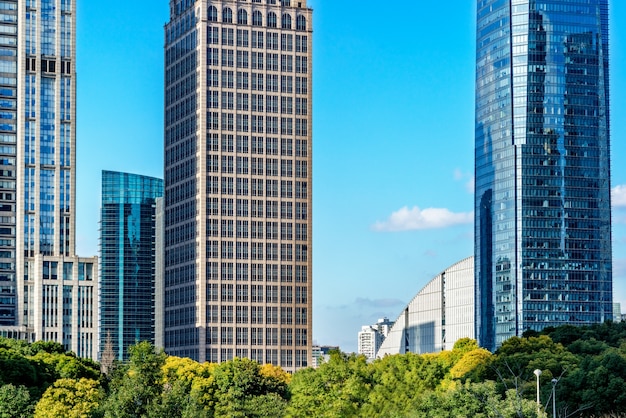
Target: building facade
point(371, 337)
point(542, 201)
point(128, 259)
point(438, 316)
point(238, 191)
point(46, 291)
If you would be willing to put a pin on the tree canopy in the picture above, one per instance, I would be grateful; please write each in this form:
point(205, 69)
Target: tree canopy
point(42, 380)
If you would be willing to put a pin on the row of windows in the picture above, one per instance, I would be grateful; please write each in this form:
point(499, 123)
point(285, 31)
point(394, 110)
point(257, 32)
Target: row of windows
point(254, 315)
point(255, 208)
point(255, 251)
point(243, 145)
point(243, 79)
point(255, 272)
point(256, 103)
point(254, 187)
point(259, 39)
point(286, 61)
point(229, 292)
point(257, 123)
point(254, 230)
point(213, 355)
point(271, 20)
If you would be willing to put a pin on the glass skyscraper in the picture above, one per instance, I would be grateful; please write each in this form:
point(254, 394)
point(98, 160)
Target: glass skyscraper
point(46, 291)
point(238, 172)
point(542, 204)
point(127, 260)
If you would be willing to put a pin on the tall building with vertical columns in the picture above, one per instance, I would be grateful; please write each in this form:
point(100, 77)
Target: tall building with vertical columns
point(238, 171)
point(542, 203)
point(46, 291)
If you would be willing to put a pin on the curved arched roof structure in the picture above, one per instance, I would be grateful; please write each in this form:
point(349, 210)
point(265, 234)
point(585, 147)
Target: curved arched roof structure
point(439, 315)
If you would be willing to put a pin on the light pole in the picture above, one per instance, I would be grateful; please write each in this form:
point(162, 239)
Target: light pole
point(538, 373)
point(554, 382)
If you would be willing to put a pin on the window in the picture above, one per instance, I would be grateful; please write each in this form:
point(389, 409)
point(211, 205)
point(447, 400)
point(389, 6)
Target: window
point(301, 23)
point(212, 14)
point(242, 17)
point(257, 18)
point(271, 20)
point(227, 15)
point(286, 21)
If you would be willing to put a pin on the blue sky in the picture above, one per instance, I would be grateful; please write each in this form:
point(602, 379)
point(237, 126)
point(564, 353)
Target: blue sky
point(393, 142)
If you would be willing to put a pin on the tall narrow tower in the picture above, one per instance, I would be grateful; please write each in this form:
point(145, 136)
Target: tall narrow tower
point(47, 292)
point(238, 170)
point(128, 260)
point(543, 204)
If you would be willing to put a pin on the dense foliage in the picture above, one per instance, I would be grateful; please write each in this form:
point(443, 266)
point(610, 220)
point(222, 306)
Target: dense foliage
point(42, 380)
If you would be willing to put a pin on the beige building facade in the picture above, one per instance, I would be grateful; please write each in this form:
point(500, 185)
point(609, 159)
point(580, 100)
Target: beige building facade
point(238, 181)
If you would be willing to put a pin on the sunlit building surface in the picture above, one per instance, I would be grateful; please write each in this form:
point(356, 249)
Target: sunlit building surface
point(542, 202)
point(46, 291)
point(238, 171)
point(438, 316)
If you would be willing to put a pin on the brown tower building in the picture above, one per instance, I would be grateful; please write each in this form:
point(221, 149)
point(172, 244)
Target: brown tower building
point(238, 171)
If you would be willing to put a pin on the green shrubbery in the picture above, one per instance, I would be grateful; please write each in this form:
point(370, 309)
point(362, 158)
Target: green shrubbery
point(42, 380)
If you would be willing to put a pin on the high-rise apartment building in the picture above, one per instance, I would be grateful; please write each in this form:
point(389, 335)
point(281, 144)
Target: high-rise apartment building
point(543, 204)
point(238, 81)
point(128, 260)
point(47, 292)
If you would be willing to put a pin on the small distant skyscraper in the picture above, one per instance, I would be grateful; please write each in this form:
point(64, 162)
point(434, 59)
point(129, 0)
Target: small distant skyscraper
point(238, 198)
point(543, 203)
point(48, 293)
point(128, 260)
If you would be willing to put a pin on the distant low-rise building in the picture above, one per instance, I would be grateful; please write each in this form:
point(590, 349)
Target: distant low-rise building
point(371, 337)
point(617, 312)
point(321, 354)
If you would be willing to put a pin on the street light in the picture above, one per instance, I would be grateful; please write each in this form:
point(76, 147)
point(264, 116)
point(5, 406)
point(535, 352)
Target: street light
point(538, 373)
point(554, 382)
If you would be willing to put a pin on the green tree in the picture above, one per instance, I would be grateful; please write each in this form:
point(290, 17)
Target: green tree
point(134, 388)
point(15, 402)
point(69, 398)
point(338, 388)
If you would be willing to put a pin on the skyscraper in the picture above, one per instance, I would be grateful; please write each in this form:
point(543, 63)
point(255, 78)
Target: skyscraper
point(48, 293)
point(542, 204)
point(128, 259)
point(238, 181)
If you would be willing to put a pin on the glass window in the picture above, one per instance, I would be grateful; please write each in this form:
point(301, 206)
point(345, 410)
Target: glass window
point(212, 14)
point(271, 20)
point(242, 17)
point(286, 21)
point(227, 15)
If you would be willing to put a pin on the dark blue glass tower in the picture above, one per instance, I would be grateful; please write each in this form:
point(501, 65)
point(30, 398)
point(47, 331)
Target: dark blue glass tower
point(127, 247)
point(542, 205)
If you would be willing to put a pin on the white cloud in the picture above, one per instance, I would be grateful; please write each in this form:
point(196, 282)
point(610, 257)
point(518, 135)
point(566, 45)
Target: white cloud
point(378, 303)
point(459, 175)
point(619, 196)
point(407, 219)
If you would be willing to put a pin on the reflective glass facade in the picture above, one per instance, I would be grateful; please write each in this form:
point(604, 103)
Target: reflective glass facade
point(238, 172)
point(542, 205)
point(37, 179)
point(8, 158)
point(127, 259)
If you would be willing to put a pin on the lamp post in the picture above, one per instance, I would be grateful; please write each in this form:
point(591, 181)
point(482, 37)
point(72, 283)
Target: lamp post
point(538, 373)
point(554, 382)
